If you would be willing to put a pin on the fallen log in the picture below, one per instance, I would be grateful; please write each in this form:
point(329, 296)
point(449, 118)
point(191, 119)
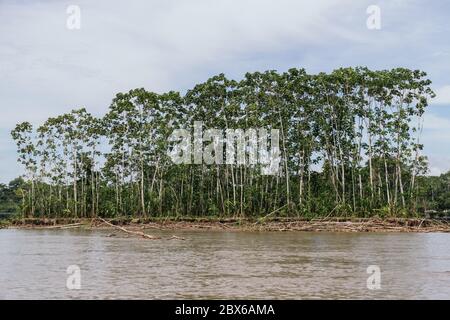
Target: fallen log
point(137, 233)
point(176, 238)
point(64, 226)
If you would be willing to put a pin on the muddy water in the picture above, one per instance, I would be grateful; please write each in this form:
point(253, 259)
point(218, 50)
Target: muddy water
point(223, 265)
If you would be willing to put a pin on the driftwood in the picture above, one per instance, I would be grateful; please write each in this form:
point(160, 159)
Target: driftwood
point(176, 238)
point(331, 224)
point(136, 233)
point(64, 226)
point(260, 220)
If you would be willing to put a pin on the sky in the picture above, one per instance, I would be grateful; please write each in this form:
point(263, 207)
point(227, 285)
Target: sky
point(48, 68)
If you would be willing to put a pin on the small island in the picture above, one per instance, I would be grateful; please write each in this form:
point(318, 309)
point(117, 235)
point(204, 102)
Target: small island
point(348, 148)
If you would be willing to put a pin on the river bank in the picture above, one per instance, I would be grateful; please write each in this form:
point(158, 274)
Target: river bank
point(241, 224)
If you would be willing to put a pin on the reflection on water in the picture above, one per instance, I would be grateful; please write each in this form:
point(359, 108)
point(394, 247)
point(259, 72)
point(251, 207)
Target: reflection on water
point(223, 265)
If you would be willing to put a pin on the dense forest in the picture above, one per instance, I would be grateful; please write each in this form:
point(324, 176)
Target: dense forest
point(10, 196)
point(349, 146)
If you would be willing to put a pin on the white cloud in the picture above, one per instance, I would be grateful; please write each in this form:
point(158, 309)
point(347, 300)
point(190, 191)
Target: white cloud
point(436, 139)
point(442, 95)
point(161, 45)
point(432, 121)
point(439, 165)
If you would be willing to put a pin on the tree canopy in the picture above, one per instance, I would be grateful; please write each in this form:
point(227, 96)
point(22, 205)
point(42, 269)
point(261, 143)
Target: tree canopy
point(349, 145)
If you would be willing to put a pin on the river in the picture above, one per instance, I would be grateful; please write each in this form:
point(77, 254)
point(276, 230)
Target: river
point(223, 265)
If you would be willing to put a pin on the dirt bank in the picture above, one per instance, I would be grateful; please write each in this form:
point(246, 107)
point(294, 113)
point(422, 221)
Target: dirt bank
point(241, 224)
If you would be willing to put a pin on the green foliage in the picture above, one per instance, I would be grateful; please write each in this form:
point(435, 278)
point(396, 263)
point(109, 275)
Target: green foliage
point(349, 147)
point(10, 197)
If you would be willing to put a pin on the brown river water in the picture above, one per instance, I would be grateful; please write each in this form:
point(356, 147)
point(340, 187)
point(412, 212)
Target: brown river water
point(223, 265)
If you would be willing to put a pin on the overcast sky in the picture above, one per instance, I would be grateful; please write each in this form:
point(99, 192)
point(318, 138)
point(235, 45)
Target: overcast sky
point(47, 69)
